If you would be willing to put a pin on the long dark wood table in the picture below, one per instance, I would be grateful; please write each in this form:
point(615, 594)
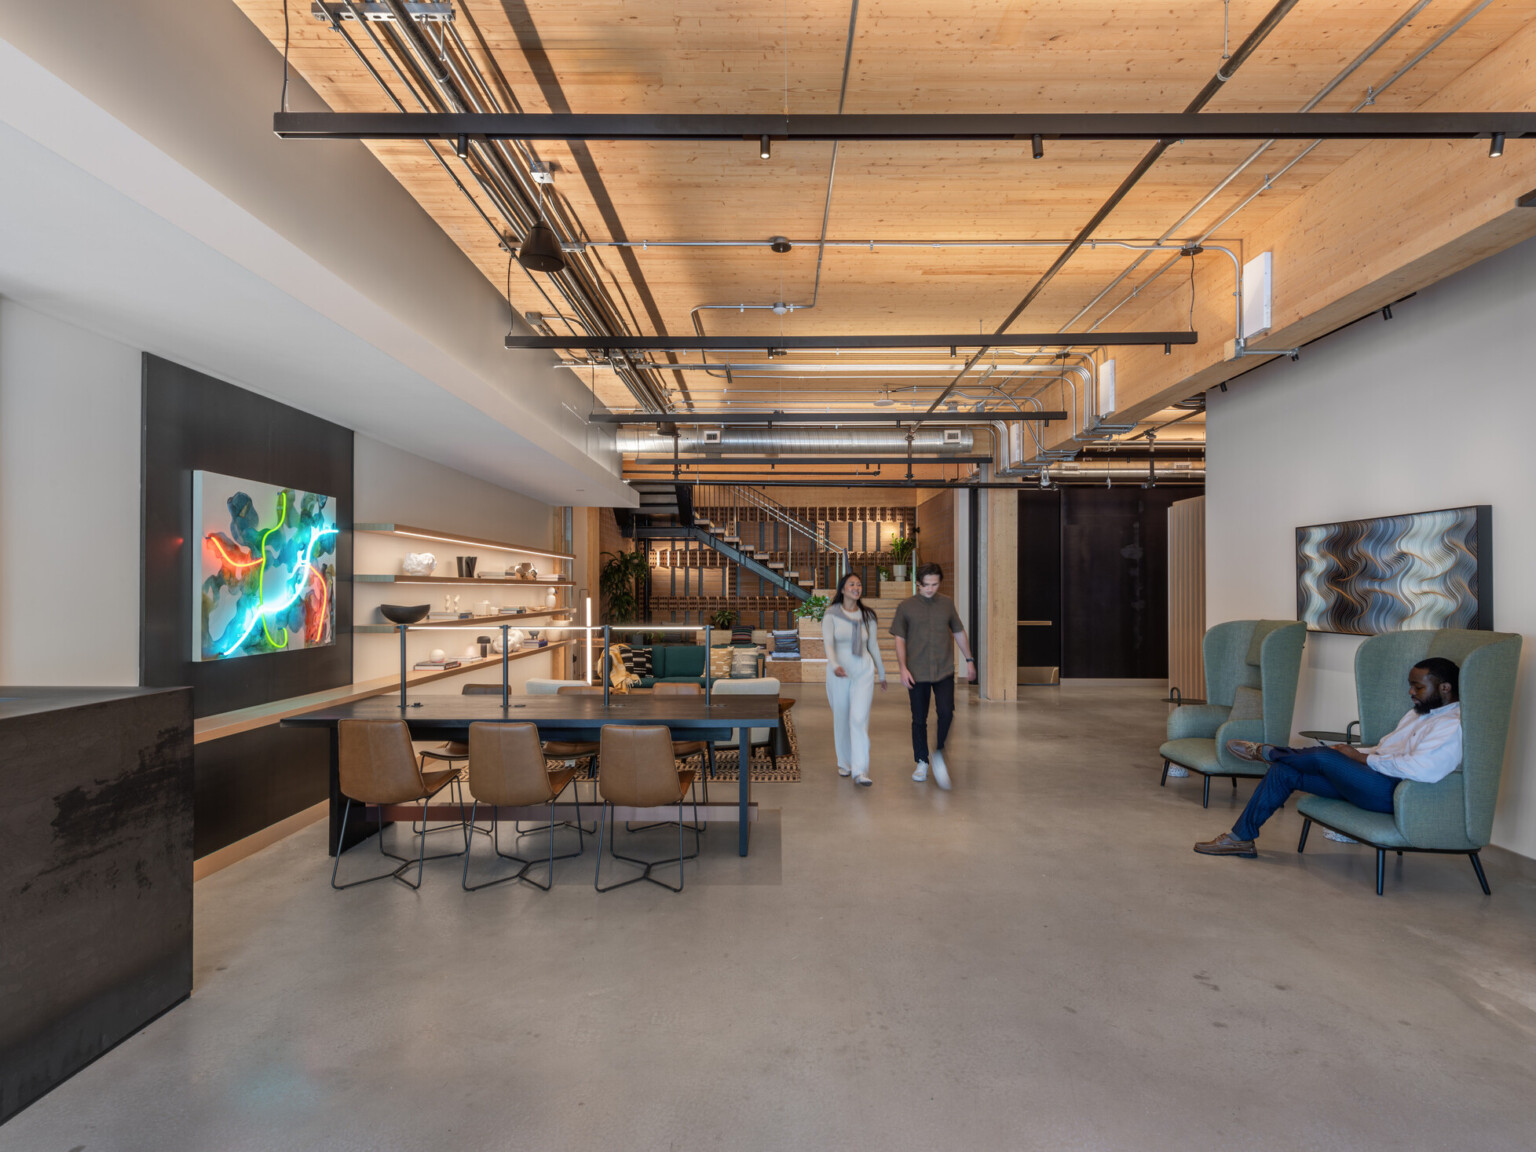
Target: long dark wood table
point(558, 718)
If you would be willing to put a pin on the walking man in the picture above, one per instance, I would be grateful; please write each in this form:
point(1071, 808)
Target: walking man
point(927, 628)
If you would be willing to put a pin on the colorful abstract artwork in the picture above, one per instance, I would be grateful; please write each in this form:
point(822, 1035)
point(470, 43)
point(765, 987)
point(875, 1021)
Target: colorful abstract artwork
point(1391, 573)
point(264, 564)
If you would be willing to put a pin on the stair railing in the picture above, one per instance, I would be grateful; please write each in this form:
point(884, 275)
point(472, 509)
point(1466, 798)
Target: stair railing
point(808, 548)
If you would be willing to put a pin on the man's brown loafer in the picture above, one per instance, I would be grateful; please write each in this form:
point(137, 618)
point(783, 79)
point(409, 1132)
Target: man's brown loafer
point(1250, 750)
point(1226, 845)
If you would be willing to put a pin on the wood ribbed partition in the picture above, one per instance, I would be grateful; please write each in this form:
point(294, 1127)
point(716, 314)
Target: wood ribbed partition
point(1186, 597)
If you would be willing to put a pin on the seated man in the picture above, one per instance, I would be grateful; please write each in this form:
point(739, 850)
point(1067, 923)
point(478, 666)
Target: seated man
point(1425, 746)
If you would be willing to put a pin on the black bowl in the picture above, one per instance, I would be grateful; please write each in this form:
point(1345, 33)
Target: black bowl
point(405, 614)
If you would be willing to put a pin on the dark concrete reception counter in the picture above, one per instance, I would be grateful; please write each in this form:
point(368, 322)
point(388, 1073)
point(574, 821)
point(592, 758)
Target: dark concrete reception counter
point(97, 881)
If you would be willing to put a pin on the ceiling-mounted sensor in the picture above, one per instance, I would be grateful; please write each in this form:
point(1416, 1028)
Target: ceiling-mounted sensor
point(779, 244)
point(885, 400)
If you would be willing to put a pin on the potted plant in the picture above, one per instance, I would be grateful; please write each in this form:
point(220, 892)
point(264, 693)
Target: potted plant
point(723, 619)
point(619, 580)
point(901, 552)
point(808, 615)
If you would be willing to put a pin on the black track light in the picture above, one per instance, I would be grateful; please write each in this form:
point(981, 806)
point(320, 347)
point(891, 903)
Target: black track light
point(1038, 147)
point(1496, 146)
point(461, 147)
point(1167, 349)
point(541, 250)
point(764, 148)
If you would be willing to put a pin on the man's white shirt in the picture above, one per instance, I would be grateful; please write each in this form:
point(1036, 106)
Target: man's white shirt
point(1423, 747)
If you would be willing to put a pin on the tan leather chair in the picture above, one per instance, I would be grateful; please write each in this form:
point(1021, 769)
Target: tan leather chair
point(507, 770)
point(639, 771)
point(378, 766)
point(455, 752)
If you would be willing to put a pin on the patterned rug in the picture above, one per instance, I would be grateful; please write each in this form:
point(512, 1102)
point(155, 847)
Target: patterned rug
point(728, 761)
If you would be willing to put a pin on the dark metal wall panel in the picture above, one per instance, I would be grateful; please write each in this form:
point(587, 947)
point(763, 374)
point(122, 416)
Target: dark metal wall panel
point(1114, 579)
point(193, 421)
point(97, 887)
point(1040, 578)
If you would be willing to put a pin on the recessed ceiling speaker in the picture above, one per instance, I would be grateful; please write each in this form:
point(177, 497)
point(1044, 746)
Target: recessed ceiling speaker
point(541, 250)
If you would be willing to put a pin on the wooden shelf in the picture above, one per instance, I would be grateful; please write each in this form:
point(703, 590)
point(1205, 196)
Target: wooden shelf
point(470, 622)
point(402, 578)
point(448, 538)
point(262, 715)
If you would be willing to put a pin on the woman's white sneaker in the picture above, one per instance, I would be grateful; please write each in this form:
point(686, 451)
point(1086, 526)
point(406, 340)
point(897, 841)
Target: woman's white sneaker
point(841, 771)
point(863, 779)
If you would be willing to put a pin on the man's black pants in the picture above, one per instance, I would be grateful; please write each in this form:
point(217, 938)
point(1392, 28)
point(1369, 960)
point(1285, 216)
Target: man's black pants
point(943, 692)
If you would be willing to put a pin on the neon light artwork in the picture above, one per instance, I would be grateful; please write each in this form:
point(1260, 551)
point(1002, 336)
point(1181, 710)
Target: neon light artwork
point(265, 570)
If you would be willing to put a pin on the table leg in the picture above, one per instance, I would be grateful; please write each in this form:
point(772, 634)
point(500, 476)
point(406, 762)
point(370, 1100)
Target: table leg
point(744, 789)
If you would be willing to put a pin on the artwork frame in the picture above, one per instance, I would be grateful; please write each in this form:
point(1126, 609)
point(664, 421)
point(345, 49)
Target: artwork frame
point(1431, 569)
point(264, 568)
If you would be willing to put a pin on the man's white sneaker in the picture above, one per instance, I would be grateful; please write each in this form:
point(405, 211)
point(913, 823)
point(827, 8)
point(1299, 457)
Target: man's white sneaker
point(922, 771)
point(940, 770)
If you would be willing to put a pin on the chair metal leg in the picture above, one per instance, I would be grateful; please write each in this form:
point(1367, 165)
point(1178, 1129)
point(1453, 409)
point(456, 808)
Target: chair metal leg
point(1381, 869)
point(1234, 783)
point(1477, 866)
point(393, 874)
point(1301, 845)
point(1205, 799)
point(1163, 783)
point(648, 865)
point(521, 873)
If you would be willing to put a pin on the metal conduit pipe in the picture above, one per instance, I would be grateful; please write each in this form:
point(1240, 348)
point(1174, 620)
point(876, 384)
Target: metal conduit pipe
point(1265, 26)
point(797, 440)
point(504, 184)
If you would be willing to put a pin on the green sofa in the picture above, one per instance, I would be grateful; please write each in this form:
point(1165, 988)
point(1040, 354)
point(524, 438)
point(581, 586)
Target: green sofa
point(673, 664)
point(1251, 669)
point(1455, 814)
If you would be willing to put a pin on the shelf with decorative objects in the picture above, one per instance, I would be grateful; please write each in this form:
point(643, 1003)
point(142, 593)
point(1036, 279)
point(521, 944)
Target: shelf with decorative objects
point(441, 592)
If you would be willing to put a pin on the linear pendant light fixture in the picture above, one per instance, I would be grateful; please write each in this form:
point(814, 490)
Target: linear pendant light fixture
point(1030, 128)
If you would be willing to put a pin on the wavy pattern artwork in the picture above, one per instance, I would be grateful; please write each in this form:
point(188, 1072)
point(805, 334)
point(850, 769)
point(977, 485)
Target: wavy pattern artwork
point(1422, 570)
point(265, 568)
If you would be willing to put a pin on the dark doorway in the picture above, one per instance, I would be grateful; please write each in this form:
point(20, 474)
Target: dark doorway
point(1094, 562)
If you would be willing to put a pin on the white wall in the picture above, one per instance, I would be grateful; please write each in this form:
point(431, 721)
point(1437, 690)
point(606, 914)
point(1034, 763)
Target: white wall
point(1432, 409)
point(393, 486)
point(70, 478)
point(69, 504)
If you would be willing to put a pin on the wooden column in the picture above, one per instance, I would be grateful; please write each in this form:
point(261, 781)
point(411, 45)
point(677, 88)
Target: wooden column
point(999, 658)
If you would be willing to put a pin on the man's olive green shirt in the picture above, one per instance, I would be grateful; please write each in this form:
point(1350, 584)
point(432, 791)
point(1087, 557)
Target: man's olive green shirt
point(927, 628)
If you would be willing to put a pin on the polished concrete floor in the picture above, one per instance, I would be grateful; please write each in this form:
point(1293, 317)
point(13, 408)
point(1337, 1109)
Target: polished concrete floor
point(1035, 960)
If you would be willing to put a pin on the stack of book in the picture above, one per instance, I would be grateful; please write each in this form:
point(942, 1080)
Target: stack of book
point(435, 665)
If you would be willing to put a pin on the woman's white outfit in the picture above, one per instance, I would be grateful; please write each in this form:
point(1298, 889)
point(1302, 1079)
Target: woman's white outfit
point(853, 646)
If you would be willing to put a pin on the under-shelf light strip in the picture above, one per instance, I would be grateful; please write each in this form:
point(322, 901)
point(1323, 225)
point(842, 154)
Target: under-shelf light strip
point(483, 544)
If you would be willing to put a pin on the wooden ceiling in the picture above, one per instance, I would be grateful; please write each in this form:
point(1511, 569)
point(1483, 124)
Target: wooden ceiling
point(677, 56)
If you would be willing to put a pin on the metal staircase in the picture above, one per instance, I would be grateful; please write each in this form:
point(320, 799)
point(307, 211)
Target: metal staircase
point(744, 526)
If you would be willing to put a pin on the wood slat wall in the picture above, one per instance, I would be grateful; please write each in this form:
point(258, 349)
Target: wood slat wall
point(936, 535)
point(1186, 597)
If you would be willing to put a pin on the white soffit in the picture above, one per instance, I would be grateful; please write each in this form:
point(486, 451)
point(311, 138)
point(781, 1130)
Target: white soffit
point(101, 229)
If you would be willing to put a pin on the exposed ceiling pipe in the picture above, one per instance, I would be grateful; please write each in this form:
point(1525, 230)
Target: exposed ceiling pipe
point(435, 73)
point(1269, 180)
point(800, 440)
point(1203, 97)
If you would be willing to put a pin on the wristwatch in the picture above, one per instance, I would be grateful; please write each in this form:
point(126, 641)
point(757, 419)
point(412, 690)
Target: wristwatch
point(970, 659)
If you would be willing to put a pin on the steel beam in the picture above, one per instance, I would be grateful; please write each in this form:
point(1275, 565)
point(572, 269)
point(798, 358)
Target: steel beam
point(865, 417)
point(1020, 128)
point(848, 343)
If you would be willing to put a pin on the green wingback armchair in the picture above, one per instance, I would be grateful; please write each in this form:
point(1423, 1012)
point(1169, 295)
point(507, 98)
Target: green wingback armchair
point(1251, 669)
point(1454, 814)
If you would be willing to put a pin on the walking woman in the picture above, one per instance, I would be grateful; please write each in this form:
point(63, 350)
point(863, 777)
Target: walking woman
point(853, 661)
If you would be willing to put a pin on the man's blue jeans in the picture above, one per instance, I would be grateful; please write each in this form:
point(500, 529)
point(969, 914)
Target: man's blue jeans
point(1320, 771)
